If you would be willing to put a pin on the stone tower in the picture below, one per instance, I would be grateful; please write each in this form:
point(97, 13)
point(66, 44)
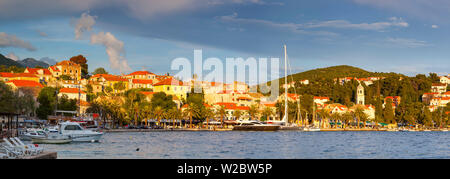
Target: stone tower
point(360, 94)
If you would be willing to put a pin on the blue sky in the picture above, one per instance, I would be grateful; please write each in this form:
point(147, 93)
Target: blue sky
point(408, 37)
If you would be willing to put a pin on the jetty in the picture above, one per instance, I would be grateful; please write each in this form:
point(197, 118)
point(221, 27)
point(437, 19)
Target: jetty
point(43, 155)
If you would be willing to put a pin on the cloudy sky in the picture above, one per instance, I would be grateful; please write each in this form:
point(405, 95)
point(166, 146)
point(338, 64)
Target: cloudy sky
point(402, 36)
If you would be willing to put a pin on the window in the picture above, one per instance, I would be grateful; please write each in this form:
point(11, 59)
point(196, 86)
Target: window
point(72, 127)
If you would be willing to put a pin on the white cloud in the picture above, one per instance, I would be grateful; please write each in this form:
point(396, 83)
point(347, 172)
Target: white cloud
point(434, 26)
point(293, 27)
point(344, 24)
point(402, 42)
point(12, 56)
point(7, 40)
point(430, 10)
point(84, 23)
point(114, 49)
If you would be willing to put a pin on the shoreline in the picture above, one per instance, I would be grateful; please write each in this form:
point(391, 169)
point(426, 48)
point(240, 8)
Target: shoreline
point(229, 129)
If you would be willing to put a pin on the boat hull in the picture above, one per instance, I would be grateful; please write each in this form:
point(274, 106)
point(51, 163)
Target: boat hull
point(85, 137)
point(255, 128)
point(50, 141)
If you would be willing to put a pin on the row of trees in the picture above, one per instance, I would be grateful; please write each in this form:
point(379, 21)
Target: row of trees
point(17, 101)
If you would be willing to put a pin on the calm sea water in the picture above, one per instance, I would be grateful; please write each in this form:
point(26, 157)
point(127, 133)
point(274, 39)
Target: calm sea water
point(255, 145)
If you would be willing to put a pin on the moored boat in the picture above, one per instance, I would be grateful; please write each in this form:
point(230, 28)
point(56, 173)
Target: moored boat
point(74, 131)
point(52, 139)
point(255, 126)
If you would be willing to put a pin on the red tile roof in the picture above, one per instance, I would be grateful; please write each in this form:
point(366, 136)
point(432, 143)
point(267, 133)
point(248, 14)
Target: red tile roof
point(25, 83)
point(244, 98)
point(140, 73)
point(147, 92)
point(169, 81)
point(36, 71)
point(6, 74)
point(54, 68)
point(439, 84)
point(139, 81)
point(70, 90)
point(321, 98)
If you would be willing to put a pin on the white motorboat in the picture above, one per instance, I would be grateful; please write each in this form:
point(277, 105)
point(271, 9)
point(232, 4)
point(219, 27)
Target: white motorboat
point(36, 133)
point(52, 139)
point(78, 133)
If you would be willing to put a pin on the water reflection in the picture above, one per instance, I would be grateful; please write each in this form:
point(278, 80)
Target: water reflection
point(233, 144)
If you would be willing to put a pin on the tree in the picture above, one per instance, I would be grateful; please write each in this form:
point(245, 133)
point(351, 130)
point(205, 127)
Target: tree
point(208, 114)
point(81, 60)
point(158, 111)
point(47, 102)
point(324, 115)
point(347, 117)
point(388, 113)
point(162, 100)
point(191, 111)
point(237, 114)
point(253, 111)
point(99, 70)
point(267, 112)
point(221, 112)
point(360, 115)
point(336, 117)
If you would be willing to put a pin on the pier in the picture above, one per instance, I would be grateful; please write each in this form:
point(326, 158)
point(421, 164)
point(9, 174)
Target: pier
point(43, 155)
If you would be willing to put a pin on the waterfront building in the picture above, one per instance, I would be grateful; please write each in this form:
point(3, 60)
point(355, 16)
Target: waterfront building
point(439, 87)
point(231, 108)
point(16, 84)
point(426, 97)
point(320, 100)
point(100, 82)
point(68, 68)
point(444, 79)
point(440, 101)
point(395, 100)
point(142, 75)
point(140, 83)
point(173, 87)
point(44, 74)
point(72, 93)
point(5, 76)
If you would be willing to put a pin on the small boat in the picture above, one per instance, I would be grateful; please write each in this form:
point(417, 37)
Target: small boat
point(78, 133)
point(311, 129)
point(29, 134)
point(254, 126)
point(52, 139)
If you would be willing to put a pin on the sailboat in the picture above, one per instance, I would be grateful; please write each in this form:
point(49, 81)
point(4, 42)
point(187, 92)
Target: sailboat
point(284, 123)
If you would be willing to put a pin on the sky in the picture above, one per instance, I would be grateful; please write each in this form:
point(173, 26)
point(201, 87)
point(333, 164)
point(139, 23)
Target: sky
point(402, 36)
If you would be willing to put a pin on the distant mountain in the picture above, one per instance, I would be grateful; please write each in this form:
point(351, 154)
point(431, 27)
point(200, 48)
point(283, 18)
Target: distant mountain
point(9, 62)
point(31, 62)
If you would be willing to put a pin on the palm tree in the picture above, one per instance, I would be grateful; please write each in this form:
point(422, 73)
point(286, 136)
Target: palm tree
point(221, 112)
point(267, 112)
point(324, 115)
point(191, 111)
point(253, 111)
point(209, 113)
point(237, 114)
point(359, 114)
point(336, 117)
point(158, 113)
point(174, 114)
point(347, 117)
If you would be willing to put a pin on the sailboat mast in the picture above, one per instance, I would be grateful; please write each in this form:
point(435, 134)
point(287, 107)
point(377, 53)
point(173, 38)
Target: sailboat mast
point(286, 88)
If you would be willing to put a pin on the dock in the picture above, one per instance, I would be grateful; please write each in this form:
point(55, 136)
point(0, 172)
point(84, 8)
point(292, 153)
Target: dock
point(43, 155)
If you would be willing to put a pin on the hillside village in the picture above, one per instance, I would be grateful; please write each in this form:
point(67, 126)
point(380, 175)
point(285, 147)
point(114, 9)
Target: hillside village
point(143, 96)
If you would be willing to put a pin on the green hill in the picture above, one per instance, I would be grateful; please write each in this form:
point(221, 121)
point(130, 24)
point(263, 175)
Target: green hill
point(329, 73)
point(8, 62)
